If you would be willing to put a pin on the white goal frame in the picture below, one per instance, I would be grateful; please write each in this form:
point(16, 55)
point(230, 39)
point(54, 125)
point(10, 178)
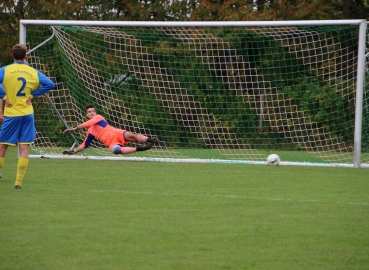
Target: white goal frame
point(362, 26)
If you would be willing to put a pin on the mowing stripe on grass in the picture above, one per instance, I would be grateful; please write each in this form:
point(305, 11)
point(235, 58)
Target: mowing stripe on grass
point(205, 195)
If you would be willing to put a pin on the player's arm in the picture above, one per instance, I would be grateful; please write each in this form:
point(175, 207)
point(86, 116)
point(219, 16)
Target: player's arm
point(74, 151)
point(87, 124)
point(86, 143)
point(73, 129)
point(2, 91)
point(2, 95)
point(46, 85)
point(1, 110)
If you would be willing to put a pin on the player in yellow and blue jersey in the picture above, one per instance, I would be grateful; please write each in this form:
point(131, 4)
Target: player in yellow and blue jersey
point(19, 83)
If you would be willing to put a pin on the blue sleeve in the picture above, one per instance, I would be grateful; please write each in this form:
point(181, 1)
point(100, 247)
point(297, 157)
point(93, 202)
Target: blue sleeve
point(46, 85)
point(2, 93)
point(88, 140)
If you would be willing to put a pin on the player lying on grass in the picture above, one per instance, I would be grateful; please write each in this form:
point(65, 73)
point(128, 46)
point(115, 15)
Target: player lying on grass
point(112, 137)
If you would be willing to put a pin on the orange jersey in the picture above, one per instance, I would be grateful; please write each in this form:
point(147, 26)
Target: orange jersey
point(99, 128)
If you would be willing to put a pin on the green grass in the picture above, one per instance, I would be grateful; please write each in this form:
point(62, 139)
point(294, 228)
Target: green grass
point(90, 214)
point(225, 155)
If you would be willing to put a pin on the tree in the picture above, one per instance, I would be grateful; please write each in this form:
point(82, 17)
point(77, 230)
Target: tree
point(12, 11)
point(310, 10)
point(169, 10)
point(8, 30)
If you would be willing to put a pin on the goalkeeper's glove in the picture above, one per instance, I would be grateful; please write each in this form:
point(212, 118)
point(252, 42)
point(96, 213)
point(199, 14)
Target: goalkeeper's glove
point(69, 152)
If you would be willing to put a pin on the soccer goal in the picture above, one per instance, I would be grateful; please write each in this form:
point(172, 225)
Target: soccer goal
point(230, 92)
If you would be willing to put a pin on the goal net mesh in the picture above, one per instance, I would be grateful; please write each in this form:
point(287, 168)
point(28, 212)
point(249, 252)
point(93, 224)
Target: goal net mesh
point(233, 94)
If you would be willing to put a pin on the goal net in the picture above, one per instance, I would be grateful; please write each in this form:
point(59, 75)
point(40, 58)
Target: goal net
point(210, 94)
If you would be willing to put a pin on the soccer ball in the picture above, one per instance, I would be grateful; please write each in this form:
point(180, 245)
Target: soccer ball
point(273, 159)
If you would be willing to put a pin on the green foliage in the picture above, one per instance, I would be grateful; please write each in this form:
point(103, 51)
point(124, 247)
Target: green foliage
point(11, 12)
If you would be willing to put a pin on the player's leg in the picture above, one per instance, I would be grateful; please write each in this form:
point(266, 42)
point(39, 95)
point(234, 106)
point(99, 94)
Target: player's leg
point(3, 148)
point(26, 137)
point(8, 136)
point(119, 150)
point(129, 136)
point(22, 165)
point(153, 140)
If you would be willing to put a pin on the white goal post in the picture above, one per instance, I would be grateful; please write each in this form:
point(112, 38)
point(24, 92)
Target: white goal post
point(211, 91)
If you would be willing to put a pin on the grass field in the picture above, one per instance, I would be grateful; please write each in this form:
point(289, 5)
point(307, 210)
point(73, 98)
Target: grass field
point(226, 155)
point(90, 214)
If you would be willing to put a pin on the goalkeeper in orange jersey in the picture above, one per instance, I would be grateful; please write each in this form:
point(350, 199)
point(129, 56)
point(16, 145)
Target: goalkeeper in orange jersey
point(112, 137)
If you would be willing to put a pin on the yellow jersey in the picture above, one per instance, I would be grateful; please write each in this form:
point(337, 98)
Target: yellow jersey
point(19, 82)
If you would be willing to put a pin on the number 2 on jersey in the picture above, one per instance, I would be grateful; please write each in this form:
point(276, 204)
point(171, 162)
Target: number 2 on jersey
point(20, 92)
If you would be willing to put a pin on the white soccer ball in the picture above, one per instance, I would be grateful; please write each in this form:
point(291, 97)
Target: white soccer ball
point(273, 159)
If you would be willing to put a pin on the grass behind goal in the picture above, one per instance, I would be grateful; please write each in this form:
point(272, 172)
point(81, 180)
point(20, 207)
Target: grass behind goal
point(90, 214)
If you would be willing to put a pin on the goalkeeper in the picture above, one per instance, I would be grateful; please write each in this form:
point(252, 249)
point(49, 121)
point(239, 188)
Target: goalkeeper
point(113, 138)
